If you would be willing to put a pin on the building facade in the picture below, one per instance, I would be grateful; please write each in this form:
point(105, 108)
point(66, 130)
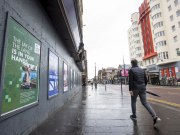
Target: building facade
point(154, 38)
point(41, 60)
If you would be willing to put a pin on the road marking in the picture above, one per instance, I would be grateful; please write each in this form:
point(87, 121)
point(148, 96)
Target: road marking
point(174, 93)
point(165, 102)
point(163, 88)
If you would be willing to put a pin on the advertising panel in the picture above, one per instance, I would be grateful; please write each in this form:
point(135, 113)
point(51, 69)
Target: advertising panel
point(126, 72)
point(53, 74)
point(72, 78)
point(21, 72)
point(65, 77)
point(122, 72)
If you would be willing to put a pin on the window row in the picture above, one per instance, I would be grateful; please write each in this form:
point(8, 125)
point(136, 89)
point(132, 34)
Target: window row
point(138, 55)
point(161, 43)
point(138, 48)
point(136, 35)
point(140, 63)
point(159, 34)
point(158, 15)
point(134, 23)
point(155, 7)
point(137, 42)
point(159, 24)
point(163, 55)
point(135, 29)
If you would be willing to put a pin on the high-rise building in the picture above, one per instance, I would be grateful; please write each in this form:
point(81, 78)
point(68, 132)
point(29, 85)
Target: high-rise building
point(154, 38)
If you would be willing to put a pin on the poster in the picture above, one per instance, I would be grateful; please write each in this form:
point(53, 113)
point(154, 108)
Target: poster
point(65, 77)
point(53, 74)
point(21, 73)
point(122, 72)
point(126, 72)
point(72, 78)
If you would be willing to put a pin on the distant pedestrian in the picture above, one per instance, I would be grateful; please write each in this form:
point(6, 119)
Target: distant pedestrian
point(137, 86)
point(92, 84)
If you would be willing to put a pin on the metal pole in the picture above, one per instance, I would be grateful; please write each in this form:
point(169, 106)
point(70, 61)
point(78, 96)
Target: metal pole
point(121, 81)
point(95, 77)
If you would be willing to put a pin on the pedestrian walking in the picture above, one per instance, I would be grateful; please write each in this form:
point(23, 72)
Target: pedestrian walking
point(137, 86)
point(92, 84)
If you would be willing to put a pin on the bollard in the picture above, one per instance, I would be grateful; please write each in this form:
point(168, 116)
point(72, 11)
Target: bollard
point(105, 86)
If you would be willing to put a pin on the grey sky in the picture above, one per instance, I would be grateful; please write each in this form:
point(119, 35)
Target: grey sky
point(105, 33)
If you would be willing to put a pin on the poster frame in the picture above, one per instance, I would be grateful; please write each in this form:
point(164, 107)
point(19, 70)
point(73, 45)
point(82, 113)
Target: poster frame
point(2, 69)
point(50, 97)
point(71, 79)
point(67, 76)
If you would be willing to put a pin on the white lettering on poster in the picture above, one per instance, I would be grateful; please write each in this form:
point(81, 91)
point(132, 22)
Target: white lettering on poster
point(21, 52)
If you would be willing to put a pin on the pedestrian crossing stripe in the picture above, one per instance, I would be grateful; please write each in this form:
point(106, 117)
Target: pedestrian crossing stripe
point(165, 102)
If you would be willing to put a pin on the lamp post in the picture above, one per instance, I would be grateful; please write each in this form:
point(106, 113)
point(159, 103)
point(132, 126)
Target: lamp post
point(95, 77)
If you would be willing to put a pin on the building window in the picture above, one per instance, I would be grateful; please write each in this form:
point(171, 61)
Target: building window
point(156, 16)
point(134, 23)
point(155, 7)
point(177, 50)
point(138, 55)
point(135, 29)
point(178, 13)
point(149, 61)
point(167, 0)
point(176, 2)
point(157, 25)
point(159, 34)
point(152, 60)
point(169, 8)
point(175, 39)
point(167, 57)
point(138, 48)
point(137, 42)
point(171, 18)
point(173, 28)
point(136, 35)
point(161, 43)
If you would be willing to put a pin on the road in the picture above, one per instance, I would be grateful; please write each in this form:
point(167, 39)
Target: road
point(169, 95)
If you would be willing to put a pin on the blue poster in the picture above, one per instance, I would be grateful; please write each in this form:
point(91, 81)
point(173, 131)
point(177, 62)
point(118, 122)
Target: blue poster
point(53, 74)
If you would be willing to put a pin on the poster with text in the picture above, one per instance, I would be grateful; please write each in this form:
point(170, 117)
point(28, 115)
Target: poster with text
point(21, 73)
point(72, 78)
point(53, 74)
point(65, 77)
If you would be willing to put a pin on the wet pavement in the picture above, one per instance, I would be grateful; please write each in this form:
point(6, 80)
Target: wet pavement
point(106, 112)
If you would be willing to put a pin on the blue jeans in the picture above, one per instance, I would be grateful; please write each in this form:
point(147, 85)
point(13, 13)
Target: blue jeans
point(142, 95)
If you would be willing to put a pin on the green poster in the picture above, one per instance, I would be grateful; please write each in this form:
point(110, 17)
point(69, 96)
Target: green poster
point(21, 75)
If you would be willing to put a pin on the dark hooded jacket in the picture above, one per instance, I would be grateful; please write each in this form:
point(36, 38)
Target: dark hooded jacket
point(137, 79)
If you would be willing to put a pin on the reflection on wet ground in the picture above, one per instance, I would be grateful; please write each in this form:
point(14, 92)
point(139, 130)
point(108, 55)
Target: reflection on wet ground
point(106, 112)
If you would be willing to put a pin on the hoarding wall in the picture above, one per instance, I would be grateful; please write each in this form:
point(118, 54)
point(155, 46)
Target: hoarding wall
point(32, 57)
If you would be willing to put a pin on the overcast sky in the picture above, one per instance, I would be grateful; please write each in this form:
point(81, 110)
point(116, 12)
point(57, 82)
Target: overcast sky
point(105, 33)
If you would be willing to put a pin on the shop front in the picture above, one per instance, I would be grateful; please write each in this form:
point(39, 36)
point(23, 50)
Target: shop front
point(152, 73)
point(169, 74)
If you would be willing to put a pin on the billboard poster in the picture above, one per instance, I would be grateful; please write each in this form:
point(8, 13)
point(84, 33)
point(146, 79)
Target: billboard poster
point(72, 78)
point(21, 72)
point(53, 74)
point(126, 72)
point(65, 77)
point(122, 72)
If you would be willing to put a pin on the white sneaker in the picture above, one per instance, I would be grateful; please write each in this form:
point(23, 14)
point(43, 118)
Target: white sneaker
point(157, 122)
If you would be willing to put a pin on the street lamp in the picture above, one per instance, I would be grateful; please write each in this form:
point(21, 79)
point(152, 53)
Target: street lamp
point(95, 77)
